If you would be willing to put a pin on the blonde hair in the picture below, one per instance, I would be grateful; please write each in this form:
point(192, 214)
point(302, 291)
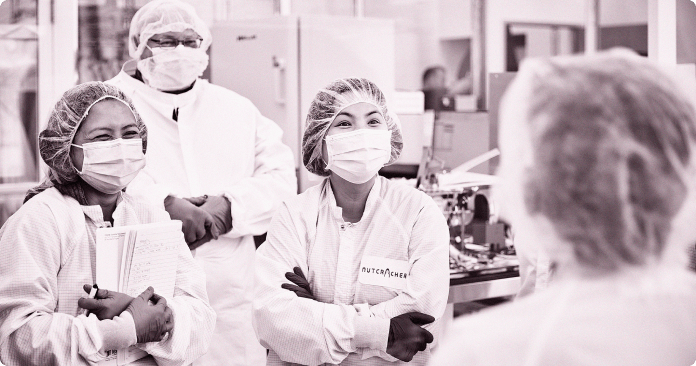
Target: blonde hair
point(610, 135)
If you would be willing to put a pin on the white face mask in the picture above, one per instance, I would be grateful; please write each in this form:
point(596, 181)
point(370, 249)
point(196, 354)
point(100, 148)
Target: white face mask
point(357, 156)
point(175, 69)
point(109, 166)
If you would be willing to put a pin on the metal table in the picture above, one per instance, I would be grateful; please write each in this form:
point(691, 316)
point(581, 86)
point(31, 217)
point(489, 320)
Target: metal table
point(483, 287)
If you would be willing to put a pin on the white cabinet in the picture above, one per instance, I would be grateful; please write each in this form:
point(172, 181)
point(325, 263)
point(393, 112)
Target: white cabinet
point(38, 47)
point(280, 63)
point(454, 19)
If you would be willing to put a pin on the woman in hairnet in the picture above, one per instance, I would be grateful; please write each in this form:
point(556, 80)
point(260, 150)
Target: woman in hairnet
point(355, 269)
point(598, 162)
point(94, 145)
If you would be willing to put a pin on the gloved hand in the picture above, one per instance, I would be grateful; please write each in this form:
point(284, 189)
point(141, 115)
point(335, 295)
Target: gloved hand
point(196, 222)
point(221, 210)
point(301, 285)
point(106, 304)
point(152, 322)
point(206, 238)
point(406, 337)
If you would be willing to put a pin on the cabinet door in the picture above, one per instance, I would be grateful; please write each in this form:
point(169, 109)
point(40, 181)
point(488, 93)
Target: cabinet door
point(454, 19)
point(337, 47)
point(258, 59)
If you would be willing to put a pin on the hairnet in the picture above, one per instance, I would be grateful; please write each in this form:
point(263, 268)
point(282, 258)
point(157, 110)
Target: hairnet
point(161, 16)
point(607, 142)
point(65, 119)
point(325, 107)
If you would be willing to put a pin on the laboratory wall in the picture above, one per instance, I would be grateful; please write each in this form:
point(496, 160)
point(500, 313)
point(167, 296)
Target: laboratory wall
point(82, 40)
point(686, 29)
point(428, 32)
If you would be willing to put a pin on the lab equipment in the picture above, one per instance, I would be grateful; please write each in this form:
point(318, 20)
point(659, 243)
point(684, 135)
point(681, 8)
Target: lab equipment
point(479, 246)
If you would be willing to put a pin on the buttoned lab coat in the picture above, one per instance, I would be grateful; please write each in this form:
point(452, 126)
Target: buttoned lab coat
point(220, 144)
point(48, 254)
point(393, 261)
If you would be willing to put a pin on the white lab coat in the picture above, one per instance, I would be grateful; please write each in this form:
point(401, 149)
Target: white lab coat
point(641, 316)
point(535, 269)
point(221, 144)
point(48, 254)
point(349, 324)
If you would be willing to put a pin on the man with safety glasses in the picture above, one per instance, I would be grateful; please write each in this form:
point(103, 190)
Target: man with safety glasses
point(214, 162)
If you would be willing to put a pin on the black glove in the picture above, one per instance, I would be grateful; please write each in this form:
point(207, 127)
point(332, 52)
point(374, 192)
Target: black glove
point(220, 208)
point(406, 337)
point(301, 285)
point(196, 222)
point(106, 304)
point(152, 322)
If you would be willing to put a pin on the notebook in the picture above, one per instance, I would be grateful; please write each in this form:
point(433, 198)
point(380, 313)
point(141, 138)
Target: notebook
point(131, 258)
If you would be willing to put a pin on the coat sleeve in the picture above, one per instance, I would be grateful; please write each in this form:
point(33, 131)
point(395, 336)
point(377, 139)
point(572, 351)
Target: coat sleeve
point(428, 281)
point(34, 242)
point(144, 187)
point(194, 319)
point(297, 329)
point(254, 199)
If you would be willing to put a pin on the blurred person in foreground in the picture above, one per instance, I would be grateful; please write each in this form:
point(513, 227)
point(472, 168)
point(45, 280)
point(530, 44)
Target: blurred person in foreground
point(356, 268)
point(214, 162)
point(94, 144)
point(598, 166)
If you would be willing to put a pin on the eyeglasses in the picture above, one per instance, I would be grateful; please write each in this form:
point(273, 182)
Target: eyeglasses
point(169, 43)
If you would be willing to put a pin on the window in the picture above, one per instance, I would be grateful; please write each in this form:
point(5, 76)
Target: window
point(37, 65)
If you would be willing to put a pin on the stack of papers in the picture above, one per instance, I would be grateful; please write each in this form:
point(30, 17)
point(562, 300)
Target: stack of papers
point(131, 258)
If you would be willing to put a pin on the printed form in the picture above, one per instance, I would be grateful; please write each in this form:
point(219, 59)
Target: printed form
point(131, 258)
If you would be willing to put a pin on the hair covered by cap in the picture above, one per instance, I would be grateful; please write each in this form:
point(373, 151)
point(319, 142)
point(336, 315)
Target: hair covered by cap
point(330, 101)
point(611, 138)
point(65, 119)
point(161, 16)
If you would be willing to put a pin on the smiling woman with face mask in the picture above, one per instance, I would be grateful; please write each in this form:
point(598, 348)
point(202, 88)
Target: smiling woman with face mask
point(93, 145)
point(354, 270)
